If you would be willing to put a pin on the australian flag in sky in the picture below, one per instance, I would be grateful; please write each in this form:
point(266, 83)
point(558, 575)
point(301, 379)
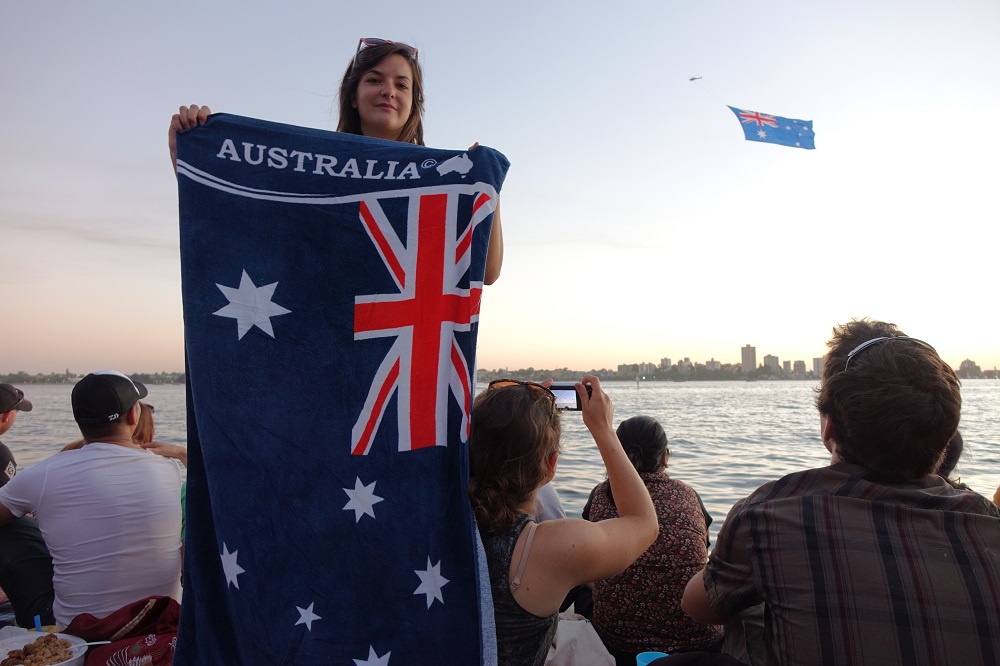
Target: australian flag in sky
point(331, 289)
point(759, 126)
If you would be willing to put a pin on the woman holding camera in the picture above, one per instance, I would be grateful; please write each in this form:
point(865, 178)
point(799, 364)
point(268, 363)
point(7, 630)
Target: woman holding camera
point(513, 451)
point(381, 96)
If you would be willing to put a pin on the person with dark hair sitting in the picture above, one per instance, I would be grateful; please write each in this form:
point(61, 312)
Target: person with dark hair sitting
point(110, 511)
point(639, 610)
point(874, 559)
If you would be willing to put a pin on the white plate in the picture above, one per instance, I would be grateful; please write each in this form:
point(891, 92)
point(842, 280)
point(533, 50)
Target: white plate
point(18, 642)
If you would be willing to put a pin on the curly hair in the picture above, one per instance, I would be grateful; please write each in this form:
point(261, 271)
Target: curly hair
point(515, 431)
point(895, 407)
point(363, 62)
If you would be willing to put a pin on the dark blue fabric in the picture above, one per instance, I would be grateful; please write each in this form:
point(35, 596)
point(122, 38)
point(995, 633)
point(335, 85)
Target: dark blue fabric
point(759, 126)
point(331, 289)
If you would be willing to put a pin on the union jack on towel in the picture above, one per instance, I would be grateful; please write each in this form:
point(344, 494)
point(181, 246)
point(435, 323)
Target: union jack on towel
point(331, 289)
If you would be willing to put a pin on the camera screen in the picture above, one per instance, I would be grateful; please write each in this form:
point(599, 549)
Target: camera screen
point(565, 398)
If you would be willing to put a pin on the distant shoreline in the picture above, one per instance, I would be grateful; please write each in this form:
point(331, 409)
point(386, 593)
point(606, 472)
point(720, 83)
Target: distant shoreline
point(21, 377)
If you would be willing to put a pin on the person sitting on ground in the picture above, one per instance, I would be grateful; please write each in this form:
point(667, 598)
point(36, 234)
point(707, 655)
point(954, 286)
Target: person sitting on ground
point(12, 401)
point(874, 559)
point(639, 610)
point(513, 450)
point(110, 511)
point(25, 563)
point(144, 437)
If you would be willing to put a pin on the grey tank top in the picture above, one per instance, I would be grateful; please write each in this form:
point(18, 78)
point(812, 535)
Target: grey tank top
point(523, 639)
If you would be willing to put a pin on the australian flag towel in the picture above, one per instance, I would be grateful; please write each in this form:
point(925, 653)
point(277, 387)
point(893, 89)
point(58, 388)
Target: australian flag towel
point(331, 288)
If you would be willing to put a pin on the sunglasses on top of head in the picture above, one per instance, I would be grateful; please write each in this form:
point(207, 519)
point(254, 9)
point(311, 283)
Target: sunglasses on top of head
point(504, 383)
point(365, 42)
point(874, 341)
point(20, 399)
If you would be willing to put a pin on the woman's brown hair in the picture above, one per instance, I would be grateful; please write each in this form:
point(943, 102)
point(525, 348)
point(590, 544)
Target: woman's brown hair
point(515, 431)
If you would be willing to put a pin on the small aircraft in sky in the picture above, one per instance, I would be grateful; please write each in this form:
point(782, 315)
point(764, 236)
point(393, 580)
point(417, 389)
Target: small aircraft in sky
point(694, 78)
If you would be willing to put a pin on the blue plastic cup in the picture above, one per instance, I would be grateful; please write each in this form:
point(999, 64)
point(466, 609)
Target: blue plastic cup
point(644, 658)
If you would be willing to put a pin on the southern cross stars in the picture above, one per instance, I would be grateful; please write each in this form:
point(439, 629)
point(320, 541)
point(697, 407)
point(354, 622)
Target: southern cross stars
point(363, 499)
point(230, 567)
point(251, 305)
point(431, 582)
point(306, 616)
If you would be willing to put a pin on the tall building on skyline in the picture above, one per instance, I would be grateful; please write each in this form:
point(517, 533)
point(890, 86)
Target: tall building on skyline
point(818, 366)
point(771, 361)
point(749, 356)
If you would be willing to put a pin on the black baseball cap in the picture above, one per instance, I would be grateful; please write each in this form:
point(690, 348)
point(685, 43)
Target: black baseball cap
point(13, 398)
point(105, 396)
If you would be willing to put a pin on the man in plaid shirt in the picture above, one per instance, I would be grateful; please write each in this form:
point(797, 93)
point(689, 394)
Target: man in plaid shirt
point(874, 559)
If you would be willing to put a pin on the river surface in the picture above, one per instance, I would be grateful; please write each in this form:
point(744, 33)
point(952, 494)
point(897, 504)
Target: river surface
point(726, 438)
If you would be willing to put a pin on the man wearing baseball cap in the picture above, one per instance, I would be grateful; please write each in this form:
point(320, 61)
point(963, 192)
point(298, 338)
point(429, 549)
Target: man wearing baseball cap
point(25, 564)
point(11, 402)
point(110, 511)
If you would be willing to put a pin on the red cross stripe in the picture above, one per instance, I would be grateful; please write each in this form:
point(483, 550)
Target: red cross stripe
point(423, 317)
point(760, 118)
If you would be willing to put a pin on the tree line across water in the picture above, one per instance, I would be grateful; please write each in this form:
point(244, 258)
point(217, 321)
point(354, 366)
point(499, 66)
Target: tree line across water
point(68, 377)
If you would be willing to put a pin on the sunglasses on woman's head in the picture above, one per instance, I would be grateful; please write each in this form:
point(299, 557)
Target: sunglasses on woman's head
point(504, 383)
point(365, 42)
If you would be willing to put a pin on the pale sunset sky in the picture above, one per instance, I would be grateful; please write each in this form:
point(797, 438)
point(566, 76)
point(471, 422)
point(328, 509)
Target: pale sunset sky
point(638, 222)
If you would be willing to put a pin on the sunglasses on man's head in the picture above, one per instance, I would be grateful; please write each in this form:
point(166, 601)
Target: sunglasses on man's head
point(874, 341)
point(20, 399)
point(365, 42)
point(504, 383)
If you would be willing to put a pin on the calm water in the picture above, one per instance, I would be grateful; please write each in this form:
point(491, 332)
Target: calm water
point(726, 438)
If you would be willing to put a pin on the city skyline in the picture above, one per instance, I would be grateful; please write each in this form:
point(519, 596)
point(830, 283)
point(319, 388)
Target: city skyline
point(809, 361)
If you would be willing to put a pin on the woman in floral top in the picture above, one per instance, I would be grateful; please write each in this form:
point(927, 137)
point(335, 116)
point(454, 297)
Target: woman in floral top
point(639, 609)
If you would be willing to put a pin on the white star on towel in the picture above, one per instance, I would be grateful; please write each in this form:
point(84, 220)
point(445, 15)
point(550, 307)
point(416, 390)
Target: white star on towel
point(363, 499)
point(431, 582)
point(373, 659)
point(306, 616)
point(230, 567)
point(251, 305)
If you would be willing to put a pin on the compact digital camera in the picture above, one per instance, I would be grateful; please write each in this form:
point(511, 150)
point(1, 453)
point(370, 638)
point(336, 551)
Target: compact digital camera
point(566, 396)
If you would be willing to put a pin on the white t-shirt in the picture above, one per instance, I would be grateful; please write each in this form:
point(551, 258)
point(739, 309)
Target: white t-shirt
point(111, 517)
point(547, 504)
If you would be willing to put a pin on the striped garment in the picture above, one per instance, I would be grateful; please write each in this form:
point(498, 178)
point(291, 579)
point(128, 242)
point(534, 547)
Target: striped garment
point(853, 571)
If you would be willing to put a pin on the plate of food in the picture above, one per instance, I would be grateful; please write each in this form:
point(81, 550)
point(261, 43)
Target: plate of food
point(32, 649)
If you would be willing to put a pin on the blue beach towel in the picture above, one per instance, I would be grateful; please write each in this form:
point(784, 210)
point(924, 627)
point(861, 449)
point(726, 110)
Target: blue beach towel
point(331, 291)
